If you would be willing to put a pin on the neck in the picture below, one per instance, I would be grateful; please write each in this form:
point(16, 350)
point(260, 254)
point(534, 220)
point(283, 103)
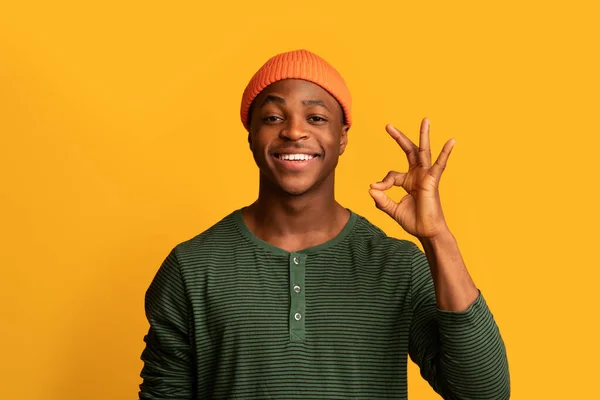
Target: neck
point(296, 222)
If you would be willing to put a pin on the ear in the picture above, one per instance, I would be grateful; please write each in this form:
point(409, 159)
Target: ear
point(344, 139)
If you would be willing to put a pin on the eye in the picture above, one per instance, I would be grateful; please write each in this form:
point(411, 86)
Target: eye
point(272, 118)
point(317, 119)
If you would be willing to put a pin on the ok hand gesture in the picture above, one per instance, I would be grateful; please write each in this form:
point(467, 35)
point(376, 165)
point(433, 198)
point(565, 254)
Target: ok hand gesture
point(419, 212)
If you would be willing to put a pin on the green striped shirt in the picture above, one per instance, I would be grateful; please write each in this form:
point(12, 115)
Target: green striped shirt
point(233, 317)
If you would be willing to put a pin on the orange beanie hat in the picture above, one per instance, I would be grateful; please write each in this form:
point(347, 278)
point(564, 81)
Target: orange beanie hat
point(297, 64)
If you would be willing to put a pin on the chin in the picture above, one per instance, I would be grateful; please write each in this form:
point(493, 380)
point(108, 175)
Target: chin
point(293, 185)
point(295, 190)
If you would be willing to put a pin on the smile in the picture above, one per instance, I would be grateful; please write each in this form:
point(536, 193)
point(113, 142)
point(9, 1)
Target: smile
point(295, 157)
point(294, 162)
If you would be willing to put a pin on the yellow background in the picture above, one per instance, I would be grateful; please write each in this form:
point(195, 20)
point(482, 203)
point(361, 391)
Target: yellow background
point(120, 138)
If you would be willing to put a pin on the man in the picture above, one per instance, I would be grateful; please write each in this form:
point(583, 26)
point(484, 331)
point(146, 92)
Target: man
point(297, 297)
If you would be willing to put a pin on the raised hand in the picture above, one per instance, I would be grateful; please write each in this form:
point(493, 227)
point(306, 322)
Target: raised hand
point(419, 212)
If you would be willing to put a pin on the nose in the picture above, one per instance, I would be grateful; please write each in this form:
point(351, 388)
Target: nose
point(294, 129)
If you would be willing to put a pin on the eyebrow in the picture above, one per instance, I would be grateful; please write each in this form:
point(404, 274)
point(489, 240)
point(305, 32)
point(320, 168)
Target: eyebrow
point(280, 100)
point(272, 99)
point(309, 103)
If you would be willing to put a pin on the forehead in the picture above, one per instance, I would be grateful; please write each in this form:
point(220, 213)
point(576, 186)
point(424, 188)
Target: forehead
point(296, 89)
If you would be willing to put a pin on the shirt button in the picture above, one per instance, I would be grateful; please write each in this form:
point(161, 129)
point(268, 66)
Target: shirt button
point(297, 316)
point(296, 260)
point(297, 289)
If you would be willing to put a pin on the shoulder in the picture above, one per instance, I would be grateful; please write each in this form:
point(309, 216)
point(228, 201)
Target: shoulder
point(368, 235)
point(216, 239)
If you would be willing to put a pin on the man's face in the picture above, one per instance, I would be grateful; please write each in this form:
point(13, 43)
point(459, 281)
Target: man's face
point(296, 135)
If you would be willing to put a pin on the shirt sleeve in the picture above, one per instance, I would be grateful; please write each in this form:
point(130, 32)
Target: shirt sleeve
point(167, 357)
point(460, 354)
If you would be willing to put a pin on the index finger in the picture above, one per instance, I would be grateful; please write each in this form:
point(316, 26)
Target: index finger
point(405, 143)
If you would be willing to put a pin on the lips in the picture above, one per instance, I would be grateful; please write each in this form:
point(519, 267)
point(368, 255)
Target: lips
point(294, 161)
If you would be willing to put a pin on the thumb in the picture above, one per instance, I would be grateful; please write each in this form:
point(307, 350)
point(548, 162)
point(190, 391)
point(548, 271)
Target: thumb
point(383, 201)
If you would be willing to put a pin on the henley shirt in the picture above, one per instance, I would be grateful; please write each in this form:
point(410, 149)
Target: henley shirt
point(234, 317)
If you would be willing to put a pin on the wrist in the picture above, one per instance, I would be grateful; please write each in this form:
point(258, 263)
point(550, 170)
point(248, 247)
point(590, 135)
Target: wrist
point(441, 239)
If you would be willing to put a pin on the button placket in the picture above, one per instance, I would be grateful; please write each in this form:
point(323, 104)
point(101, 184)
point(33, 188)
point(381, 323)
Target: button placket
point(297, 300)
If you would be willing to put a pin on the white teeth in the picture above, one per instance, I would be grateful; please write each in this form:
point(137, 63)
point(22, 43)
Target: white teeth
point(295, 157)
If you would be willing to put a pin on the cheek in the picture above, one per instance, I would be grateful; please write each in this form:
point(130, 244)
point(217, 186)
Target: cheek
point(258, 149)
point(335, 142)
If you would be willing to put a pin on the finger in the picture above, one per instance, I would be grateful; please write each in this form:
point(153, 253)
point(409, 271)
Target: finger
point(440, 164)
point(424, 147)
point(392, 178)
point(405, 143)
point(383, 202)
